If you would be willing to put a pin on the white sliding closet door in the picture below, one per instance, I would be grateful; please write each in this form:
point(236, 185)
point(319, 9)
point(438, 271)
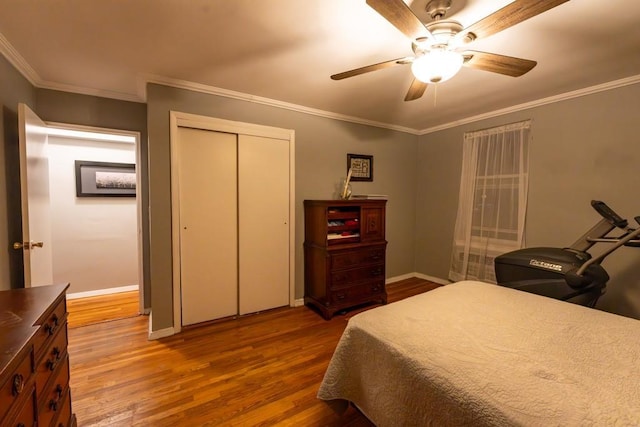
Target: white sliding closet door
point(207, 165)
point(263, 191)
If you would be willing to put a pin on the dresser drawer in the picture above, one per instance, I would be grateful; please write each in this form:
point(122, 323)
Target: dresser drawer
point(34, 365)
point(15, 387)
point(354, 294)
point(50, 325)
point(358, 257)
point(354, 275)
point(54, 397)
point(54, 355)
point(27, 413)
point(64, 413)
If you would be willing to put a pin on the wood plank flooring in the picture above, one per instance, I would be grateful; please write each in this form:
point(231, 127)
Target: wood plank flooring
point(87, 311)
point(257, 370)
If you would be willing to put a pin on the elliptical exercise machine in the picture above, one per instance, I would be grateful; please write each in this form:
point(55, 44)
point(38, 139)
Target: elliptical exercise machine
point(569, 274)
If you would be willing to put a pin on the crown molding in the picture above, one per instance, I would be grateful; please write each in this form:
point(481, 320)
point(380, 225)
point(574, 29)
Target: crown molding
point(18, 62)
point(23, 67)
point(212, 90)
point(537, 103)
point(12, 55)
point(90, 91)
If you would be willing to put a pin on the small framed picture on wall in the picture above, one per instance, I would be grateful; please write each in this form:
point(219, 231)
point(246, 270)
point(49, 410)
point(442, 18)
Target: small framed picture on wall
point(361, 166)
point(103, 179)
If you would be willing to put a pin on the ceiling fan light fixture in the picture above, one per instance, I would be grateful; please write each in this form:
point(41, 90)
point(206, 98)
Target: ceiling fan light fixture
point(437, 65)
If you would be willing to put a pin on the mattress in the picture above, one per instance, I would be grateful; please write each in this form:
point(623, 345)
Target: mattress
point(473, 353)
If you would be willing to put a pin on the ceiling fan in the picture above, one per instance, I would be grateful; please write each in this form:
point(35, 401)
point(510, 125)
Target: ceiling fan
point(439, 46)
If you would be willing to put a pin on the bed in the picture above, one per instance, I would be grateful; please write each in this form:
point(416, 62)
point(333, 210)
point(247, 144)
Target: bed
point(473, 353)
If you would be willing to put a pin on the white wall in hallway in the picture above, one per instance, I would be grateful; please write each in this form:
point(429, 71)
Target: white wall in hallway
point(94, 238)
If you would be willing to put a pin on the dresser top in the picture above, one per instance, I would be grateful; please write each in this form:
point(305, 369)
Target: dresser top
point(340, 202)
point(21, 311)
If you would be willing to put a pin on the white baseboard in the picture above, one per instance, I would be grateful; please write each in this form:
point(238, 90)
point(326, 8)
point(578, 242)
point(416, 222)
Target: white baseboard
point(300, 301)
point(419, 276)
point(433, 279)
point(160, 333)
point(399, 278)
point(99, 292)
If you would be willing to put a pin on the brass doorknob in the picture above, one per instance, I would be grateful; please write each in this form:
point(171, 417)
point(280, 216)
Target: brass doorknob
point(27, 245)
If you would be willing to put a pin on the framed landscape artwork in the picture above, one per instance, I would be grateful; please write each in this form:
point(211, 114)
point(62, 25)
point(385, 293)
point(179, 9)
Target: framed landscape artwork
point(104, 179)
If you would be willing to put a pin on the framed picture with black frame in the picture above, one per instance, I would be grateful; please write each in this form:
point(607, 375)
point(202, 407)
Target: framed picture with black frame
point(105, 179)
point(361, 166)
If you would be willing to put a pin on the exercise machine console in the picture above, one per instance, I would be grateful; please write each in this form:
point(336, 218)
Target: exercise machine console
point(570, 274)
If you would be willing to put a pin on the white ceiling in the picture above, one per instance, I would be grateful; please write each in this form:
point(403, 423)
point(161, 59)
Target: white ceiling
point(285, 51)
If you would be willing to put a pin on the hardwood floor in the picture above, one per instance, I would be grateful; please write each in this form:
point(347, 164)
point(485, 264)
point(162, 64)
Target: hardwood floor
point(261, 369)
point(87, 311)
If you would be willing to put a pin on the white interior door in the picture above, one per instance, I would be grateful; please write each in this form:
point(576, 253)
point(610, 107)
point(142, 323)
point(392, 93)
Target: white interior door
point(34, 191)
point(207, 174)
point(263, 191)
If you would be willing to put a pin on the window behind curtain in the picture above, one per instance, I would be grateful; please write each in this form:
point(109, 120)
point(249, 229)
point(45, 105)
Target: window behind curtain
point(492, 201)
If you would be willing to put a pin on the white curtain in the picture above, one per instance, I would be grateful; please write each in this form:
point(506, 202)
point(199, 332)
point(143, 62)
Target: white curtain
point(492, 201)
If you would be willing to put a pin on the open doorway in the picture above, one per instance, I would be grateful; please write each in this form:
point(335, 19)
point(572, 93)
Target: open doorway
point(96, 235)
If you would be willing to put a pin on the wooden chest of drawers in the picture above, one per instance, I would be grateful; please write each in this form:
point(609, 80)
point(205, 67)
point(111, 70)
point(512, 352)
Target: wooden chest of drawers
point(34, 364)
point(344, 253)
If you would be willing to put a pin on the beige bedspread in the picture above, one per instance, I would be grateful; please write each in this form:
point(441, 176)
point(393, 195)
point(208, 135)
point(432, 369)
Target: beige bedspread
point(472, 353)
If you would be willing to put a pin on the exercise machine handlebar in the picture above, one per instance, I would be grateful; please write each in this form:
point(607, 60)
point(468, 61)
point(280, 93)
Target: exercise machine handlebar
point(607, 213)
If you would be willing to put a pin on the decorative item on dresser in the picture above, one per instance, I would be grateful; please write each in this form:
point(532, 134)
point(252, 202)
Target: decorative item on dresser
point(344, 254)
point(34, 364)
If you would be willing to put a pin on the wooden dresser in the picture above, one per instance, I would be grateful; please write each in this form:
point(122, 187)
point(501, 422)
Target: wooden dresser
point(344, 254)
point(34, 364)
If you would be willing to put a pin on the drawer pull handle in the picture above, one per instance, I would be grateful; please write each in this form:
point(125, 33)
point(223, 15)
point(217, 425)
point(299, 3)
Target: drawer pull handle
point(21, 425)
point(51, 328)
point(18, 384)
point(53, 362)
point(376, 272)
point(340, 296)
point(53, 403)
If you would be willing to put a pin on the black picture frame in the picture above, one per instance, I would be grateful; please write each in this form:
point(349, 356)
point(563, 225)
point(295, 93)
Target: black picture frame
point(105, 179)
point(361, 166)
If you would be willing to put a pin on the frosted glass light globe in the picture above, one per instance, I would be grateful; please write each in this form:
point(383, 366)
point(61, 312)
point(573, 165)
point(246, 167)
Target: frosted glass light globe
point(437, 65)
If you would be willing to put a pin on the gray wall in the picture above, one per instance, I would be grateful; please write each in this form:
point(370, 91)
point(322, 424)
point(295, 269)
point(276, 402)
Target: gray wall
point(13, 89)
point(583, 148)
point(61, 107)
point(321, 146)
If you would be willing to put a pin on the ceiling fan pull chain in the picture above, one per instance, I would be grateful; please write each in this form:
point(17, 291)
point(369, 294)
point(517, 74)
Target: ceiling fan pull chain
point(435, 95)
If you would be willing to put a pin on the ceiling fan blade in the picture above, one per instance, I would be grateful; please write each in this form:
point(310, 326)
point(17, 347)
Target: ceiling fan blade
point(401, 17)
point(501, 64)
point(416, 90)
point(374, 67)
point(508, 16)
